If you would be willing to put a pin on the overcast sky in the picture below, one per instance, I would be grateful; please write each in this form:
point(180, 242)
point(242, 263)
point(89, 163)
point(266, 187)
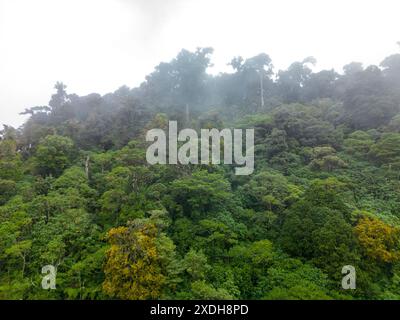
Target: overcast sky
point(99, 45)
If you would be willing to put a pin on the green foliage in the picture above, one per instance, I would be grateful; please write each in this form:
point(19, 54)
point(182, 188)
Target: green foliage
point(77, 192)
point(358, 143)
point(200, 193)
point(387, 150)
point(53, 155)
point(325, 158)
point(138, 263)
point(203, 291)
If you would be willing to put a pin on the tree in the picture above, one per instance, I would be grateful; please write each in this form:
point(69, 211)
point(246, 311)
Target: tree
point(276, 142)
point(77, 192)
point(379, 241)
point(10, 161)
point(135, 262)
point(367, 102)
point(53, 155)
point(180, 82)
point(132, 267)
point(195, 263)
point(291, 81)
point(268, 191)
point(309, 228)
point(261, 64)
point(325, 158)
point(14, 237)
point(204, 291)
point(20, 250)
point(320, 85)
point(306, 125)
point(251, 81)
point(391, 71)
point(200, 194)
point(8, 189)
point(358, 143)
point(60, 98)
point(387, 150)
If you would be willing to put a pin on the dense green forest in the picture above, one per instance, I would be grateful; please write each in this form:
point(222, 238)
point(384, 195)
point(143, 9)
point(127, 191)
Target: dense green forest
point(76, 191)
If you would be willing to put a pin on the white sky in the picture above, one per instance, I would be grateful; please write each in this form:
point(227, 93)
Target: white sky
point(99, 45)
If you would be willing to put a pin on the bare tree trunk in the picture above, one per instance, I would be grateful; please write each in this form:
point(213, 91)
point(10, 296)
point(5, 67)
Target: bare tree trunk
point(261, 90)
point(47, 211)
point(23, 264)
point(87, 166)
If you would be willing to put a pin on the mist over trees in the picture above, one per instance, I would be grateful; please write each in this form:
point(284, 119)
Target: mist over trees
point(76, 190)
